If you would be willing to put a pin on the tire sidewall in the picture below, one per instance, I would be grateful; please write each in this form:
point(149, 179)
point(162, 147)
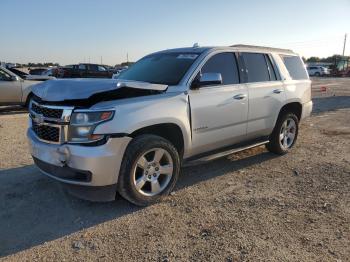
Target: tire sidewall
point(137, 147)
point(278, 130)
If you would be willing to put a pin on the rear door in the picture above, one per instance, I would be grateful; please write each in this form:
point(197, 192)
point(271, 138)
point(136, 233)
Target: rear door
point(266, 93)
point(92, 71)
point(81, 71)
point(219, 112)
point(10, 90)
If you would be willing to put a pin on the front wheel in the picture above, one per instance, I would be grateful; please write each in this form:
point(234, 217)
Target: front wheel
point(284, 134)
point(150, 169)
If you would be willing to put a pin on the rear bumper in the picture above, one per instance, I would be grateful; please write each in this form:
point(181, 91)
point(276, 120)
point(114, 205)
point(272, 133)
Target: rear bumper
point(94, 166)
point(306, 110)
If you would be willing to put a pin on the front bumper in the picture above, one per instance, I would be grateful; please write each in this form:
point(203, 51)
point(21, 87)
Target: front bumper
point(94, 166)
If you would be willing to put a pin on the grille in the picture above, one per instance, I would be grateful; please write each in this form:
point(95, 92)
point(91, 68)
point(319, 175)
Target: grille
point(47, 112)
point(48, 133)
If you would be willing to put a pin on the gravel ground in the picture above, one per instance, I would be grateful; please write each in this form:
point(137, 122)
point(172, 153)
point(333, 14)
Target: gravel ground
point(247, 207)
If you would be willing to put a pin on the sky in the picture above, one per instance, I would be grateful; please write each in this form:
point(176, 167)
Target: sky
point(73, 31)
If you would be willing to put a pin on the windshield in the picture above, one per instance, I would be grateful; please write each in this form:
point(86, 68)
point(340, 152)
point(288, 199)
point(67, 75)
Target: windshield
point(163, 68)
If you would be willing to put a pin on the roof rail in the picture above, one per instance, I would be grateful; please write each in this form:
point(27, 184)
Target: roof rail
point(263, 48)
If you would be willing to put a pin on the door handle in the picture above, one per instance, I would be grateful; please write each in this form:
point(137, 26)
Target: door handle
point(277, 91)
point(240, 96)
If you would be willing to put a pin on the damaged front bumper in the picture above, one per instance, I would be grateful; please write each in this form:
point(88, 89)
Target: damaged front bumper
point(83, 168)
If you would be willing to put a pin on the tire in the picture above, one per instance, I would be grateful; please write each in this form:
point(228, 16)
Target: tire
point(139, 167)
point(279, 145)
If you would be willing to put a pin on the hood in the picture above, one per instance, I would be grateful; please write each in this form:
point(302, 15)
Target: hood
point(59, 90)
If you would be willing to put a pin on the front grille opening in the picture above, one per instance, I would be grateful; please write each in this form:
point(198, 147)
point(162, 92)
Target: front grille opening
point(48, 133)
point(47, 112)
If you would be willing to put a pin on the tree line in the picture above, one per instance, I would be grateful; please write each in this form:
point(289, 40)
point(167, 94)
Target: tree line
point(329, 59)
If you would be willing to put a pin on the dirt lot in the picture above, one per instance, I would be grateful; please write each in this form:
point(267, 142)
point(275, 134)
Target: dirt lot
point(247, 207)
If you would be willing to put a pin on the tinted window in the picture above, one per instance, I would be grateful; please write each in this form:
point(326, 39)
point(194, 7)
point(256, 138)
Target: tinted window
point(295, 67)
point(225, 64)
point(92, 67)
point(101, 69)
point(161, 68)
point(256, 66)
point(82, 67)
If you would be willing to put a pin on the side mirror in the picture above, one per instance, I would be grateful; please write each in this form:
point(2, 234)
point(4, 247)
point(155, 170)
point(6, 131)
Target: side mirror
point(207, 79)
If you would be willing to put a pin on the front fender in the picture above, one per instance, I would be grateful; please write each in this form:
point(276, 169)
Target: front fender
point(134, 116)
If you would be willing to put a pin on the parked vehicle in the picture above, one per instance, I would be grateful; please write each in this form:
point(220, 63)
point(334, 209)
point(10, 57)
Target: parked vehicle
point(118, 71)
point(175, 107)
point(17, 72)
point(84, 71)
point(318, 71)
point(37, 71)
point(341, 67)
point(39, 77)
point(13, 89)
point(23, 75)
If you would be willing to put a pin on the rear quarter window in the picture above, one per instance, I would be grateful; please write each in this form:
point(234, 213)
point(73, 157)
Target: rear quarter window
point(295, 67)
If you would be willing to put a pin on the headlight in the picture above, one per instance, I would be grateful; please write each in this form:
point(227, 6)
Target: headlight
point(83, 124)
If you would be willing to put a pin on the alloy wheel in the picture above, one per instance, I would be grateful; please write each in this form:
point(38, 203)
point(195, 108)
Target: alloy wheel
point(287, 133)
point(152, 172)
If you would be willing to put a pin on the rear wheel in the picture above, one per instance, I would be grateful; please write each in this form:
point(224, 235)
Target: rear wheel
point(150, 169)
point(284, 134)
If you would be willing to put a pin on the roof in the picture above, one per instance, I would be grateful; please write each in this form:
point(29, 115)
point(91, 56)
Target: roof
point(252, 48)
point(263, 48)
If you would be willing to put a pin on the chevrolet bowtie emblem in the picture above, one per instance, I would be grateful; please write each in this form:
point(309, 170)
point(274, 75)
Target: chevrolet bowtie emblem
point(39, 119)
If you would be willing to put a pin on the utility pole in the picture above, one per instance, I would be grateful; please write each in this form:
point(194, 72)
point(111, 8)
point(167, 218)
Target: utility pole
point(101, 60)
point(344, 44)
point(127, 58)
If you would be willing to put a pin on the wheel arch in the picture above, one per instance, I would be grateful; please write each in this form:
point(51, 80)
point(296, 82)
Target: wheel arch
point(293, 107)
point(170, 131)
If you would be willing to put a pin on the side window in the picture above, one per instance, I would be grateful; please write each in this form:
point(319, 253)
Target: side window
point(4, 76)
point(101, 69)
point(295, 67)
point(93, 68)
point(256, 66)
point(82, 67)
point(226, 65)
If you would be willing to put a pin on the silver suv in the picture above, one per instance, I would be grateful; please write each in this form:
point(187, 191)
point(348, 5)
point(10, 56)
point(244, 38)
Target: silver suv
point(132, 134)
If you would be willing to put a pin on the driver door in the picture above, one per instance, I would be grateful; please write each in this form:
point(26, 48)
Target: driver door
point(10, 89)
point(219, 112)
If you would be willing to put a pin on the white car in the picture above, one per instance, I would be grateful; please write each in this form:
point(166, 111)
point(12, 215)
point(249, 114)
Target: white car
point(188, 105)
point(318, 71)
point(13, 89)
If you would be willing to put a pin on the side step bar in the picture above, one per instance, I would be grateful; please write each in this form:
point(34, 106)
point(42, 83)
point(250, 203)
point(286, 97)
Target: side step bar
point(222, 154)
